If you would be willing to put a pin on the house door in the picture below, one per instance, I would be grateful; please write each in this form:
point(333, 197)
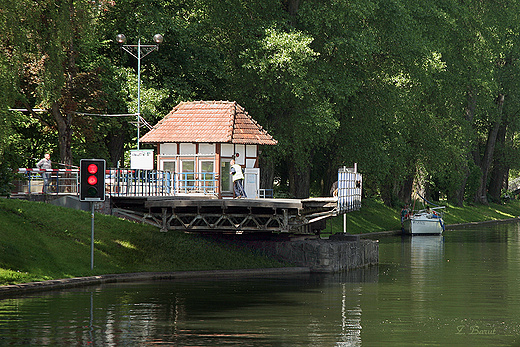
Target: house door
point(169, 165)
point(187, 176)
point(226, 180)
point(207, 179)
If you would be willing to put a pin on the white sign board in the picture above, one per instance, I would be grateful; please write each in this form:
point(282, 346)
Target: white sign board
point(141, 159)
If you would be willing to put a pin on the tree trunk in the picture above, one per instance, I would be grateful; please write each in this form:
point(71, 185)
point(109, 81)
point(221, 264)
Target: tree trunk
point(299, 180)
point(498, 181)
point(500, 172)
point(292, 9)
point(458, 195)
point(405, 192)
point(481, 196)
point(429, 193)
point(386, 190)
point(331, 180)
point(329, 177)
point(469, 115)
point(266, 172)
point(64, 133)
point(64, 114)
point(115, 143)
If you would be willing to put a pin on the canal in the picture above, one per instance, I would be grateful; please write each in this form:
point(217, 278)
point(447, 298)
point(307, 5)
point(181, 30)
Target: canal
point(460, 289)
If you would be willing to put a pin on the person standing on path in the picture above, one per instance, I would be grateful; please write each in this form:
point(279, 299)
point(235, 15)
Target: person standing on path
point(45, 164)
point(238, 180)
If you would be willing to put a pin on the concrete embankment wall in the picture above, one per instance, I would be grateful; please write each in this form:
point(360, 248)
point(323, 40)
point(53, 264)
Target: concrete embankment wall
point(324, 255)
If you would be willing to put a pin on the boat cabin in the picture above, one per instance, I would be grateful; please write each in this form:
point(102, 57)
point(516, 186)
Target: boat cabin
point(198, 139)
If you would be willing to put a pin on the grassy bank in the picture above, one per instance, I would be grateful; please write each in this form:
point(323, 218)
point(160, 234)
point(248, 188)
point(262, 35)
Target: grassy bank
point(41, 241)
point(374, 216)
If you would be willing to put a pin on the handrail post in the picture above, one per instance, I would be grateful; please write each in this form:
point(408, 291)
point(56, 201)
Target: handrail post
point(30, 178)
point(57, 182)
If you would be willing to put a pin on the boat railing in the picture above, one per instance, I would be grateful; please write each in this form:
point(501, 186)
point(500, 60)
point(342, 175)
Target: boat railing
point(436, 211)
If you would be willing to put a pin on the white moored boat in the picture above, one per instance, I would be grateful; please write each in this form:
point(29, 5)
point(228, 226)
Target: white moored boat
point(425, 222)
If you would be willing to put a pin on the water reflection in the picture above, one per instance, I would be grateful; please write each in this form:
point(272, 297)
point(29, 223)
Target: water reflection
point(457, 290)
point(253, 312)
point(426, 255)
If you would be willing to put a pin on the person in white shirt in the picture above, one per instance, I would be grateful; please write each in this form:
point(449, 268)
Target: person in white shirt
point(45, 164)
point(238, 180)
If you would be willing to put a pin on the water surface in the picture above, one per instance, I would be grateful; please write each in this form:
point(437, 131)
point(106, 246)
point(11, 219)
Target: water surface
point(459, 289)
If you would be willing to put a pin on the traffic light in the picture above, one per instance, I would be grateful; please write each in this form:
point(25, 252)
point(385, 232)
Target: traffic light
point(92, 179)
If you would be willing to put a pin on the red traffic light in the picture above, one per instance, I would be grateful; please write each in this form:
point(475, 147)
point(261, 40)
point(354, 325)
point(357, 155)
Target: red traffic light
point(92, 168)
point(92, 180)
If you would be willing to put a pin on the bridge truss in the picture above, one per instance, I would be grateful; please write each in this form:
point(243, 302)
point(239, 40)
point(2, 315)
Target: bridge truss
point(236, 215)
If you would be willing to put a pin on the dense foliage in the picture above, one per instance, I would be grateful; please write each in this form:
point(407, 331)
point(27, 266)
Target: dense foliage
point(417, 93)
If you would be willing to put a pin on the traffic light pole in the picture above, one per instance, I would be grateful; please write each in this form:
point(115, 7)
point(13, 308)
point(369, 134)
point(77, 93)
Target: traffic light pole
point(92, 188)
point(92, 237)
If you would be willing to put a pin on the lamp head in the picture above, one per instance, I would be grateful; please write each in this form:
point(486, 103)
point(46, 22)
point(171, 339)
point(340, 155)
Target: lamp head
point(121, 38)
point(158, 38)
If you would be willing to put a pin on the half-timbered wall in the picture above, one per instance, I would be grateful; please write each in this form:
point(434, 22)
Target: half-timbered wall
point(207, 157)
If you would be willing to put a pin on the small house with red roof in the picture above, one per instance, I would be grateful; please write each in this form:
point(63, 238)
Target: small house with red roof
point(198, 139)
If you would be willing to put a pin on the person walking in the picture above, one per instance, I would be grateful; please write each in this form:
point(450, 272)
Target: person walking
point(238, 180)
point(45, 164)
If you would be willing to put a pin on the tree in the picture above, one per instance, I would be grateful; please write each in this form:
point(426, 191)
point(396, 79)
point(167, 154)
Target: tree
point(52, 35)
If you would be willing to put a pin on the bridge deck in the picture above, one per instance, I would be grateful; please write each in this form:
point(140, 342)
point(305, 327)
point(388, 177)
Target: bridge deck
point(237, 215)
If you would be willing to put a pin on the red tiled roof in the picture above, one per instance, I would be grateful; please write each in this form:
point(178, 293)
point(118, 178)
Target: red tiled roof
point(209, 121)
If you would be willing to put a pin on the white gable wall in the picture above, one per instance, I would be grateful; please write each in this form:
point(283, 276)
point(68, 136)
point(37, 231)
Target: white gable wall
point(188, 149)
point(240, 154)
point(226, 150)
point(207, 148)
point(168, 149)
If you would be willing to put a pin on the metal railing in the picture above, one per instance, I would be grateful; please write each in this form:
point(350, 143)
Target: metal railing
point(49, 181)
point(136, 182)
point(196, 182)
point(119, 182)
point(129, 182)
point(132, 182)
point(265, 193)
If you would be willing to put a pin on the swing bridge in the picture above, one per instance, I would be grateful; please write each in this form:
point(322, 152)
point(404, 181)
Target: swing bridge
point(189, 201)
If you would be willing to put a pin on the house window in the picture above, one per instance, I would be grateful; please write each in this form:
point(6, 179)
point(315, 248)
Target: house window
point(206, 166)
point(168, 165)
point(187, 178)
point(226, 181)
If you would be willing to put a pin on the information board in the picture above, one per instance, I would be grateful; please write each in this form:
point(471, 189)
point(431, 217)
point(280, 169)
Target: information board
point(141, 159)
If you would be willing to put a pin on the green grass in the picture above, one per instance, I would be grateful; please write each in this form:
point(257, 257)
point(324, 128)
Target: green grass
point(41, 241)
point(374, 216)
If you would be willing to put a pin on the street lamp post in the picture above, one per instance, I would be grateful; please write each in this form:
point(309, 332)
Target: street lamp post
point(139, 51)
